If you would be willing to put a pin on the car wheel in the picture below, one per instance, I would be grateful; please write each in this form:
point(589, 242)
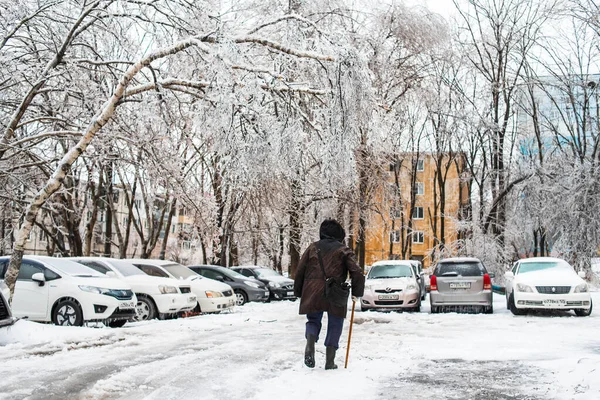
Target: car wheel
point(67, 313)
point(240, 298)
point(117, 323)
point(513, 308)
point(584, 313)
point(145, 309)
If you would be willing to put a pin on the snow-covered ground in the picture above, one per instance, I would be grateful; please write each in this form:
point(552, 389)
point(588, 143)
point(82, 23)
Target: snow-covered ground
point(256, 353)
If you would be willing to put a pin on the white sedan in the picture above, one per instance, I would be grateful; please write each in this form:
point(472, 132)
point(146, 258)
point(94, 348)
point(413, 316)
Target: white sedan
point(156, 297)
point(392, 285)
point(213, 296)
point(546, 283)
point(67, 293)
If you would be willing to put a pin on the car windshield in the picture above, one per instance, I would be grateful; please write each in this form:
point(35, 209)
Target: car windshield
point(72, 268)
point(179, 271)
point(266, 272)
point(230, 273)
point(126, 269)
point(541, 265)
point(390, 271)
point(459, 269)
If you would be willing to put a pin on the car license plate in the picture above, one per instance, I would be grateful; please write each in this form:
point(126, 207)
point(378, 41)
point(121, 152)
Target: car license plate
point(290, 293)
point(460, 285)
point(554, 302)
point(127, 305)
point(389, 297)
point(191, 299)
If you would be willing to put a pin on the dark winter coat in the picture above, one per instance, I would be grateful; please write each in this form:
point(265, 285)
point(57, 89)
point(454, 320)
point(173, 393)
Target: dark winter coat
point(338, 261)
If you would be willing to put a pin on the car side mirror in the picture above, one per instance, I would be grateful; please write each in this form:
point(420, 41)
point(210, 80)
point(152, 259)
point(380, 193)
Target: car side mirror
point(219, 278)
point(509, 274)
point(492, 274)
point(581, 274)
point(39, 278)
point(111, 274)
point(418, 277)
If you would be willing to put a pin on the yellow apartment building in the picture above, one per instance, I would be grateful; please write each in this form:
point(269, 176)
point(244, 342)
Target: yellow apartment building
point(417, 208)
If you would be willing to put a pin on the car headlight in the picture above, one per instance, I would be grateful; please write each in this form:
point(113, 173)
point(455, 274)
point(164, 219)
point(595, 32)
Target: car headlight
point(94, 289)
point(212, 294)
point(411, 286)
point(583, 288)
point(524, 288)
point(274, 284)
point(253, 284)
point(164, 289)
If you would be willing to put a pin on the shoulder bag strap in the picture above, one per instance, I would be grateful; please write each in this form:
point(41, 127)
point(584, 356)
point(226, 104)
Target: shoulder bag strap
point(321, 262)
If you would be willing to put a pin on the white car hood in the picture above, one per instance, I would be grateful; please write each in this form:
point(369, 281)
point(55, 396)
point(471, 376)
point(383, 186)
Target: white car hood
point(550, 277)
point(393, 283)
point(201, 283)
point(106, 283)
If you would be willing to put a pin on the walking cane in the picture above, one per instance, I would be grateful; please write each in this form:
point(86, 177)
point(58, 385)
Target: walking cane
point(350, 333)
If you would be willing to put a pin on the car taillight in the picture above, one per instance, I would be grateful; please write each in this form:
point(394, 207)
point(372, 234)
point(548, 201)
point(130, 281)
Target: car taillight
point(433, 283)
point(487, 282)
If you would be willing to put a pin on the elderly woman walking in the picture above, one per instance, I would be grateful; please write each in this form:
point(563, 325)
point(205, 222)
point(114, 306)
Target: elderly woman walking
point(326, 258)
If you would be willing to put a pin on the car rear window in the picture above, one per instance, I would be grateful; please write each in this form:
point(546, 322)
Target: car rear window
point(461, 269)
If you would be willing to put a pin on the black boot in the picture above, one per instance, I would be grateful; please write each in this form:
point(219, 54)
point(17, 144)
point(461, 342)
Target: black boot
point(309, 351)
point(330, 358)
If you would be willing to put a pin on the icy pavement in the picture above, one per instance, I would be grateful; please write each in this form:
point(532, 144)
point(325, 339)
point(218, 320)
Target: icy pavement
point(256, 353)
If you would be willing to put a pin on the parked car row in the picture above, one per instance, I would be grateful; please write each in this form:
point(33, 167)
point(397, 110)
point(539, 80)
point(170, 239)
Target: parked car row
point(76, 290)
point(464, 284)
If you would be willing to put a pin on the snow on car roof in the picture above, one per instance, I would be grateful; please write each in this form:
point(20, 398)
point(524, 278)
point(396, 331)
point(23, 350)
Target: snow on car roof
point(149, 261)
point(392, 262)
point(542, 259)
point(459, 260)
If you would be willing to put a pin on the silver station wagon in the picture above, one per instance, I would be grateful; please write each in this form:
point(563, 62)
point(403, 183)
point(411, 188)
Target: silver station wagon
point(461, 284)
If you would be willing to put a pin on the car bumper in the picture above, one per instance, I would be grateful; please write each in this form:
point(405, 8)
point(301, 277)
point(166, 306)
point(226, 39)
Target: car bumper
point(406, 299)
point(216, 304)
point(174, 303)
point(281, 293)
point(258, 294)
point(483, 298)
point(569, 301)
point(98, 307)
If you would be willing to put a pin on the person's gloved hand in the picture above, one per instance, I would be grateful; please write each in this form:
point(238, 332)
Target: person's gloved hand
point(354, 299)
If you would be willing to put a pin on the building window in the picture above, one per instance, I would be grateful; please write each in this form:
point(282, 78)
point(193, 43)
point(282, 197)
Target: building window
point(418, 237)
point(420, 188)
point(420, 165)
point(138, 204)
point(395, 213)
point(418, 213)
point(395, 237)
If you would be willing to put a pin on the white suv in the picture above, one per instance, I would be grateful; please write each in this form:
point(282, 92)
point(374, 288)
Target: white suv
point(67, 293)
point(213, 296)
point(156, 297)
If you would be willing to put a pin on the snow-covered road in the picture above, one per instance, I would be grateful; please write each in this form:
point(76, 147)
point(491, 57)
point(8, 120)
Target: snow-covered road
point(256, 353)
